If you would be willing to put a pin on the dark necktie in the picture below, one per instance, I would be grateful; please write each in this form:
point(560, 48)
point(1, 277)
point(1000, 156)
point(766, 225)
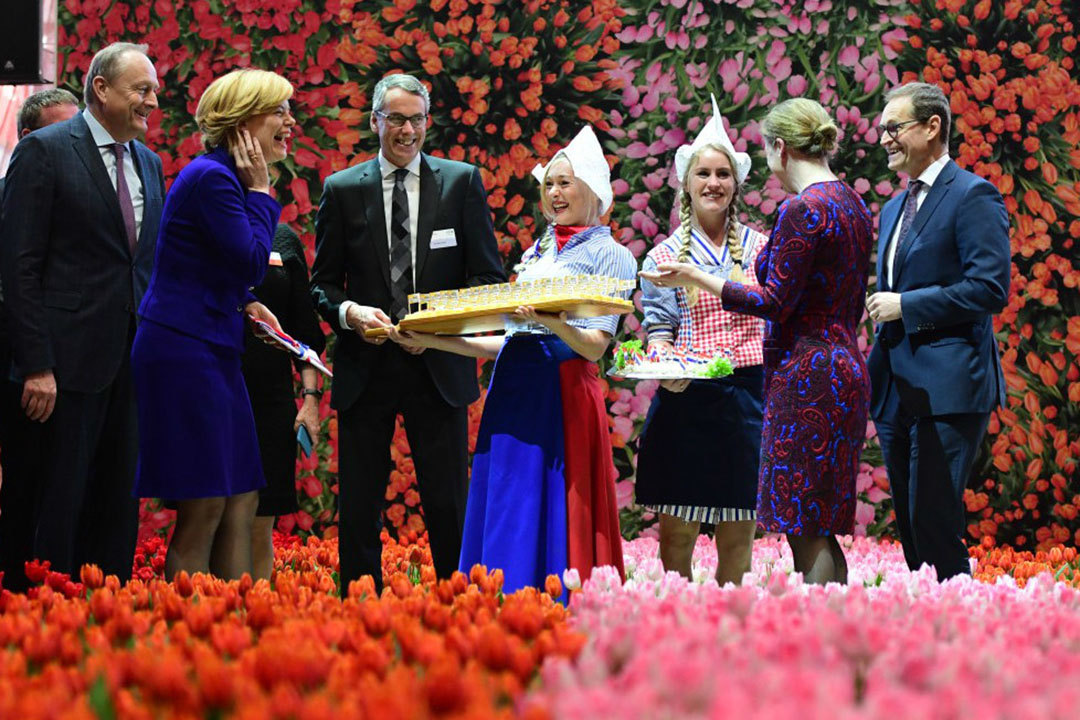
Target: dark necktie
point(401, 283)
point(911, 206)
point(127, 208)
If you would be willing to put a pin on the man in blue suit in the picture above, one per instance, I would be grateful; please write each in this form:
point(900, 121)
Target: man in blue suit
point(80, 220)
point(943, 270)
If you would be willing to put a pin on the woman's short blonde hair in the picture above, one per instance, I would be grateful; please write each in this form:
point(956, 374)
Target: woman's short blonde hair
point(803, 125)
point(590, 196)
point(235, 97)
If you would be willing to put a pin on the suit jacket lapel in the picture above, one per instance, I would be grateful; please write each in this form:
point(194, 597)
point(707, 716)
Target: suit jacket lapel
point(88, 152)
point(886, 228)
point(372, 190)
point(430, 193)
point(149, 192)
point(938, 190)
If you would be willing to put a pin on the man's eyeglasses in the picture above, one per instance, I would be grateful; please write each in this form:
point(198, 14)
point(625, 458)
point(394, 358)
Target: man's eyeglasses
point(894, 128)
point(397, 119)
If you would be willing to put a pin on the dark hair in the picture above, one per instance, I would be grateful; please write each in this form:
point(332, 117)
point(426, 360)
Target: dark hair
point(30, 112)
point(107, 64)
point(927, 100)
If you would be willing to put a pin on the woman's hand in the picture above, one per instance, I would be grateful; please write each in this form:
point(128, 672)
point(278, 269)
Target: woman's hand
point(674, 275)
point(250, 163)
point(309, 417)
point(549, 320)
point(412, 342)
point(257, 311)
point(676, 386)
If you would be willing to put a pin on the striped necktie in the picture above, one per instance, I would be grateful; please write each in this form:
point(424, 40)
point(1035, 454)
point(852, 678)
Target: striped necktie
point(401, 282)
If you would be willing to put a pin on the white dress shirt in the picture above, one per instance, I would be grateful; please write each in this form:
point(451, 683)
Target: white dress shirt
point(929, 175)
point(104, 142)
point(412, 190)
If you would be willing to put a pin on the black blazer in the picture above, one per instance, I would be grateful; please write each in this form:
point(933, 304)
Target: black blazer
point(71, 285)
point(352, 262)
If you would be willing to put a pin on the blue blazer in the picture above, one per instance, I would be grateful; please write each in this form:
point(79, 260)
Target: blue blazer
point(213, 249)
point(71, 284)
point(953, 275)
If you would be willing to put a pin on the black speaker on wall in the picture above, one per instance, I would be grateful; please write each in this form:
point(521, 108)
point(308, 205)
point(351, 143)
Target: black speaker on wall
point(20, 42)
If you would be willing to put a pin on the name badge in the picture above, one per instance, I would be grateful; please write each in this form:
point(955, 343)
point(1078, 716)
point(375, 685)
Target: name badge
point(275, 259)
point(443, 239)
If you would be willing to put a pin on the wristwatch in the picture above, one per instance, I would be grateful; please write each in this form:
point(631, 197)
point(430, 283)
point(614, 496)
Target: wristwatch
point(310, 391)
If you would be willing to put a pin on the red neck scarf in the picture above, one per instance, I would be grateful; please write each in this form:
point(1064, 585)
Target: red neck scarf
point(563, 233)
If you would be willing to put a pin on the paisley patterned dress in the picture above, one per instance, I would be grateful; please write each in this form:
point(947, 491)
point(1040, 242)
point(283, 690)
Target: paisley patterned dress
point(813, 276)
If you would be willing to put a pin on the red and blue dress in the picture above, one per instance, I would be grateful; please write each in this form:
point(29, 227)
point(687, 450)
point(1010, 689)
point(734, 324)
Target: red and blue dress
point(542, 493)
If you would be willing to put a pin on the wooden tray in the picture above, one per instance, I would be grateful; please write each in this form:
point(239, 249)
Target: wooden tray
point(468, 322)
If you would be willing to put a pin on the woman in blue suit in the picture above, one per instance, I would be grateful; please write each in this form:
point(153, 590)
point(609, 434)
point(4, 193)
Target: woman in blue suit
point(197, 441)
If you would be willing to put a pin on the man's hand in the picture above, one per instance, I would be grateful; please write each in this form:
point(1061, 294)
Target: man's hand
point(365, 317)
point(883, 307)
point(39, 395)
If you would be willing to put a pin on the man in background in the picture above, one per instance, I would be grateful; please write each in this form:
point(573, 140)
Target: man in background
point(18, 438)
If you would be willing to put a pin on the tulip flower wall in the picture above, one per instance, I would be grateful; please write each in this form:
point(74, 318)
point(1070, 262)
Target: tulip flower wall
point(512, 81)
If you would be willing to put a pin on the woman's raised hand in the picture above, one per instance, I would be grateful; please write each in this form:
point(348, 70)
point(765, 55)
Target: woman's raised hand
point(250, 163)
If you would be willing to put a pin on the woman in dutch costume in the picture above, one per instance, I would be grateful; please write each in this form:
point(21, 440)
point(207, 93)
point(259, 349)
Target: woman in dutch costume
point(698, 453)
point(542, 493)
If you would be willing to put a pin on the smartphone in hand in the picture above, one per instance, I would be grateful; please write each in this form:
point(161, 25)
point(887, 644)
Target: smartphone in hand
point(303, 438)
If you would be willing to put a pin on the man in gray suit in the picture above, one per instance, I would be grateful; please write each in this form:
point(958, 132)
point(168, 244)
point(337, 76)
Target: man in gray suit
point(80, 219)
point(18, 434)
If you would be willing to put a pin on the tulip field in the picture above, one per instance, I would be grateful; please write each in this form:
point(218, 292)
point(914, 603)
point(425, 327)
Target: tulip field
point(892, 643)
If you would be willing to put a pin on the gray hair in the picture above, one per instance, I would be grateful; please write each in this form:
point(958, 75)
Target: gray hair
point(927, 100)
point(399, 80)
point(107, 63)
point(30, 112)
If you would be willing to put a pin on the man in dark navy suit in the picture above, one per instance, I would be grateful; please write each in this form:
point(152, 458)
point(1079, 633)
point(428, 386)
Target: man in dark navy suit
point(19, 440)
point(400, 223)
point(943, 271)
point(80, 220)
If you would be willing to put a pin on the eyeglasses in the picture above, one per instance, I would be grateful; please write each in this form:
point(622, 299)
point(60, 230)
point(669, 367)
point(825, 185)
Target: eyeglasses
point(894, 128)
point(397, 119)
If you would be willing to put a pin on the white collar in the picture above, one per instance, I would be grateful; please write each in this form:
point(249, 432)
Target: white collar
point(386, 167)
point(102, 137)
point(930, 174)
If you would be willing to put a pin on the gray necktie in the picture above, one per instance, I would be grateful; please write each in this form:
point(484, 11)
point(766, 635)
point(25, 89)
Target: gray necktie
point(401, 283)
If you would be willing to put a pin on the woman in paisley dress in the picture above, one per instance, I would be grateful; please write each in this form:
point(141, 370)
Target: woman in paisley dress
point(812, 283)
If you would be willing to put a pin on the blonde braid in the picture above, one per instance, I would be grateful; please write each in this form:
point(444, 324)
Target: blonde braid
point(735, 248)
point(685, 216)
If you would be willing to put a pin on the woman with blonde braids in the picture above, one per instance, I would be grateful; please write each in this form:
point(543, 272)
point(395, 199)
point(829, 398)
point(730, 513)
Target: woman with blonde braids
point(810, 286)
point(698, 453)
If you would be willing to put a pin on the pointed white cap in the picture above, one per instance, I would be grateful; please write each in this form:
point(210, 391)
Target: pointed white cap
point(712, 134)
point(590, 166)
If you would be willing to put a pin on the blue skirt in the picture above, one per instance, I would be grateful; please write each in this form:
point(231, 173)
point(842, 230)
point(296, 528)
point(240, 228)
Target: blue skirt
point(196, 431)
point(516, 517)
point(701, 447)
